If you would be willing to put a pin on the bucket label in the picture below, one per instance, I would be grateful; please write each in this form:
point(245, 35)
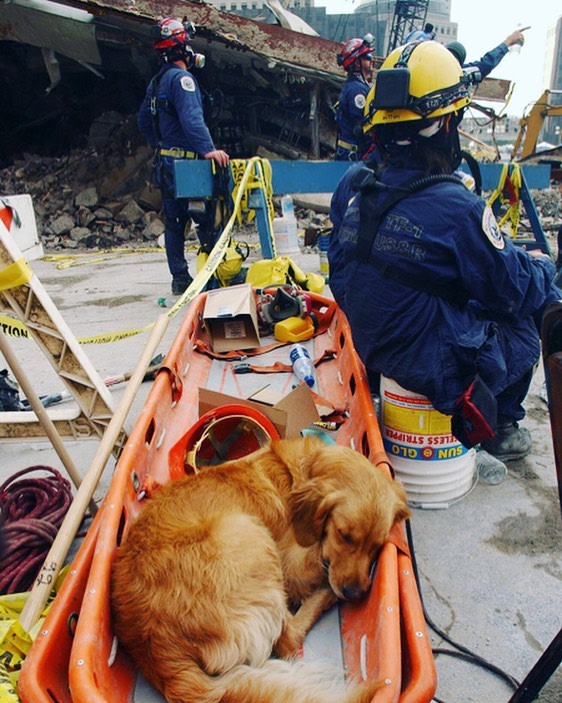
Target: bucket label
point(413, 429)
point(421, 419)
point(424, 451)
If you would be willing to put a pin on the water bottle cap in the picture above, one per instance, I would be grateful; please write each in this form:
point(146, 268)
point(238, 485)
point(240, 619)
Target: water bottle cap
point(309, 380)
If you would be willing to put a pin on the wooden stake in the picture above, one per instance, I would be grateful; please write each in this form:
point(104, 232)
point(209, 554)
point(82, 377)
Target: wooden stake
point(65, 536)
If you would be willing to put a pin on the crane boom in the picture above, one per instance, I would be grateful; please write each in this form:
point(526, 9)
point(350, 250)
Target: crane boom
point(530, 124)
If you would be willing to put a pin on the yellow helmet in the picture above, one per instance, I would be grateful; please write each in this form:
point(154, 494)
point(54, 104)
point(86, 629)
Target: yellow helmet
point(419, 80)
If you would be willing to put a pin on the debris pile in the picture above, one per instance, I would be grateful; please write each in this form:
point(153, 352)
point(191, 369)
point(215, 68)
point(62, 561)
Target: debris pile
point(101, 197)
point(98, 198)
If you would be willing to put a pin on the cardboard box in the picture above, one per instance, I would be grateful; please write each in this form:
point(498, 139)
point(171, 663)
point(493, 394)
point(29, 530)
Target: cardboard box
point(288, 413)
point(232, 319)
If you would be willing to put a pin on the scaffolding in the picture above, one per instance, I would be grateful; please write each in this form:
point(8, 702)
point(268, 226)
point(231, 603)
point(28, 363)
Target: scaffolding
point(408, 16)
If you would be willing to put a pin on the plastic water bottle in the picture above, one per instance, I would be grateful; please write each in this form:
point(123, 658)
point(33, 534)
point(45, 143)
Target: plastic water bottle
point(515, 49)
point(287, 207)
point(303, 368)
point(323, 243)
point(489, 469)
point(288, 213)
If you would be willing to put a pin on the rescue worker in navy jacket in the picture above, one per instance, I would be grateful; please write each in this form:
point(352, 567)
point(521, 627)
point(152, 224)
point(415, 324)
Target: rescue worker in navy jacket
point(486, 64)
point(434, 293)
point(171, 120)
point(356, 57)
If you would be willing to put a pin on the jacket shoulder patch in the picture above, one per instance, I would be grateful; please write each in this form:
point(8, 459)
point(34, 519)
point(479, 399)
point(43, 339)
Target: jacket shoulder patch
point(360, 101)
point(491, 229)
point(187, 83)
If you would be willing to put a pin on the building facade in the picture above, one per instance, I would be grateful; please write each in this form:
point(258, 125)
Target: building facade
point(552, 131)
point(374, 16)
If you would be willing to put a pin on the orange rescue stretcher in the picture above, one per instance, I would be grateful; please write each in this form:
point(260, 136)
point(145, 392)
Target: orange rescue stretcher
point(76, 657)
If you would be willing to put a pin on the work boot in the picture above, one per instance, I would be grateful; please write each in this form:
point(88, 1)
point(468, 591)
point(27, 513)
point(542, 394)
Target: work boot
point(180, 284)
point(510, 443)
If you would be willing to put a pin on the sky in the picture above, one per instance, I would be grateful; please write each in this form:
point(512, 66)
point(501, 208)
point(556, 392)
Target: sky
point(483, 24)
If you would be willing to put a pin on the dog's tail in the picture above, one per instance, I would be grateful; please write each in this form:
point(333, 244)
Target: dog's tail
point(278, 681)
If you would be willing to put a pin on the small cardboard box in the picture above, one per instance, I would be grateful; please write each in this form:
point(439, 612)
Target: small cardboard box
point(232, 319)
point(288, 413)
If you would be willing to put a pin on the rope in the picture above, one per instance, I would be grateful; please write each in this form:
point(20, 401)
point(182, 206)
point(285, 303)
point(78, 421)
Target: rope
point(32, 512)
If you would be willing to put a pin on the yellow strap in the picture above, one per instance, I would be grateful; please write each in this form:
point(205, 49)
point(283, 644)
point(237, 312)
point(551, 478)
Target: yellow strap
point(15, 275)
point(499, 188)
point(513, 212)
point(259, 177)
point(179, 153)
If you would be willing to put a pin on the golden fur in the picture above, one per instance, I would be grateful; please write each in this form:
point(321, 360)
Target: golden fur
point(206, 583)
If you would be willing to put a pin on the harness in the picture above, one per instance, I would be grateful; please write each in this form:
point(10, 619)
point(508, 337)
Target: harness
point(372, 213)
point(158, 102)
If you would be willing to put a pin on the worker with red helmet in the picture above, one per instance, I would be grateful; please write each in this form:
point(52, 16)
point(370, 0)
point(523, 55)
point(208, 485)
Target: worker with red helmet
point(171, 120)
point(356, 57)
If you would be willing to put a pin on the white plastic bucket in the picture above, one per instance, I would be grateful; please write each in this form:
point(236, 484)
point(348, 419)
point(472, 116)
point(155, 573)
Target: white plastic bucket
point(286, 238)
point(431, 463)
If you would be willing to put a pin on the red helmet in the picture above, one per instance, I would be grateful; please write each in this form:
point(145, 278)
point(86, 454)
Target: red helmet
point(170, 33)
point(354, 49)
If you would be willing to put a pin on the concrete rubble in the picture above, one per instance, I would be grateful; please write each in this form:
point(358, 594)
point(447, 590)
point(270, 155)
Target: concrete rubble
point(80, 203)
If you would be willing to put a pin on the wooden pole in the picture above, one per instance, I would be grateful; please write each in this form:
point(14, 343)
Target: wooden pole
point(65, 536)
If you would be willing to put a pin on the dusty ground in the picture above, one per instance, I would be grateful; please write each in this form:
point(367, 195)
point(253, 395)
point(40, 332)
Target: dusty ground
point(490, 566)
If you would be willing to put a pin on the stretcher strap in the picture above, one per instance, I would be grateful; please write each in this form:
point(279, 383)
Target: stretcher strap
point(398, 539)
point(201, 346)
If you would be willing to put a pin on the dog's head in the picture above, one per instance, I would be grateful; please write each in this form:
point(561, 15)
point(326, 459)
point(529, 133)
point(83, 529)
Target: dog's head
point(348, 506)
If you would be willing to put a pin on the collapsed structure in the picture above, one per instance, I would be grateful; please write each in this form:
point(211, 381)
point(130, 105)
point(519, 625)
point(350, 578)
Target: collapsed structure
point(66, 64)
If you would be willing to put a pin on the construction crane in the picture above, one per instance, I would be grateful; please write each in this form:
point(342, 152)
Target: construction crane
point(408, 16)
point(531, 123)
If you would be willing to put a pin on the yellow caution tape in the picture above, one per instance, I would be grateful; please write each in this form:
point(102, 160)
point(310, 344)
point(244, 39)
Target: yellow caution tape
point(15, 275)
point(7, 685)
point(217, 254)
point(15, 645)
point(256, 174)
point(12, 327)
point(15, 642)
point(65, 261)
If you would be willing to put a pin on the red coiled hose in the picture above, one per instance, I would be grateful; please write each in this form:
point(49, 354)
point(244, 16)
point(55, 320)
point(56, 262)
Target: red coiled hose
point(32, 512)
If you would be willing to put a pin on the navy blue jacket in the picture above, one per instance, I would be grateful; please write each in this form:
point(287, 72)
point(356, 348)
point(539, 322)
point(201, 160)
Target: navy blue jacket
point(490, 60)
point(180, 112)
point(350, 111)
point(443, 234)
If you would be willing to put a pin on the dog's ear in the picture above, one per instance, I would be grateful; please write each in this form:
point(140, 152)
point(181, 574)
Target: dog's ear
point(310, 506)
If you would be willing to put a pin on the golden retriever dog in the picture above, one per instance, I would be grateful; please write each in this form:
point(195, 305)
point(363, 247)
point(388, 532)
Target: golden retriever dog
point(225, 567)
